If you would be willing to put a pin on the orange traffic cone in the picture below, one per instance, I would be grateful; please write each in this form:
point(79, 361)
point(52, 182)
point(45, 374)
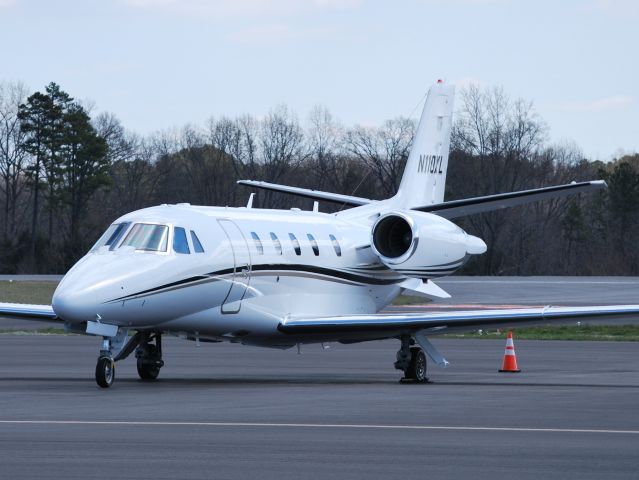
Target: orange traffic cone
point(510, 359)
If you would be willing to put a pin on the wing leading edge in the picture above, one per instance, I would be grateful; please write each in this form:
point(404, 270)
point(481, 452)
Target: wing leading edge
point(25, 311)
point(444, 322)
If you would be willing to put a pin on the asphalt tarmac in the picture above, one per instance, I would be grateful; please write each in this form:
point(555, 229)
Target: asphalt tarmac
point(541, 290)
point(233, 412)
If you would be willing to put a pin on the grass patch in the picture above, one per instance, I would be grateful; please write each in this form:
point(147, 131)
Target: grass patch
point(408, 300)
point(38, 331)
point(621, 333)
point(27, 292)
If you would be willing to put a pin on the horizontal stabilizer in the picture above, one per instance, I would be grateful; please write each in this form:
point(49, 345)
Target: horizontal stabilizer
point(470, 206)
point(308, 193)
point(443, 322)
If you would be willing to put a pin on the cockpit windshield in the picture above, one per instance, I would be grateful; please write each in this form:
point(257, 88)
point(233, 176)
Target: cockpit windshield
point(111, 236)
point(147, 237)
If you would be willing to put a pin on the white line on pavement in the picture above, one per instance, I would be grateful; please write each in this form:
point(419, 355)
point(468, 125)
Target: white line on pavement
point(314, 425)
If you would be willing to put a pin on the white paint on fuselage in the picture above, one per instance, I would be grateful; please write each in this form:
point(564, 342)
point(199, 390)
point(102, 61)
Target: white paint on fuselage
point(123, 286)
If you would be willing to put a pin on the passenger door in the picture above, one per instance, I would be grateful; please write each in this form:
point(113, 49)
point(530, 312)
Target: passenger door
point(242, 267)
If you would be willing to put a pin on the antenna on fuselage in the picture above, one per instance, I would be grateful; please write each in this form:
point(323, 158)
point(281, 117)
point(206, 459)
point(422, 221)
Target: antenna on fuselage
point(250, 201)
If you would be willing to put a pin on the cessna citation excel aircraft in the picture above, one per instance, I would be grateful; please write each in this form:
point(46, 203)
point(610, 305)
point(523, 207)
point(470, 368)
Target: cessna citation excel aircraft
point(280, 278)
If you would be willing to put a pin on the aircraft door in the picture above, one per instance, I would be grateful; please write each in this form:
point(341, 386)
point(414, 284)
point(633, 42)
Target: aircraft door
point(241, 269)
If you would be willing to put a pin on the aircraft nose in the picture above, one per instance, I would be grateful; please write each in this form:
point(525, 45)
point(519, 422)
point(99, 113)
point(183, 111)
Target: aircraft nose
point(74, 306)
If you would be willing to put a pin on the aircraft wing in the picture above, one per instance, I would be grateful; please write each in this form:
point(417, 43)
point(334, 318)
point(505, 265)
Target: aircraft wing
point(470, 206)
point(308, 193)
point(25, 311)
point(432, 323)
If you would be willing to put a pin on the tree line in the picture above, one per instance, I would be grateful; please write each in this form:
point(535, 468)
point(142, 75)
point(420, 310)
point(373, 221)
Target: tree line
point(67, 172)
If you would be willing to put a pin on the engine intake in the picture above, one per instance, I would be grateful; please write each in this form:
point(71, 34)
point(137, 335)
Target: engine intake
point(392, 236)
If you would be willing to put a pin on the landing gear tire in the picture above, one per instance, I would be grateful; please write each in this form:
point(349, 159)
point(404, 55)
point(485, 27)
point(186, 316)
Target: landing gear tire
point(416, 370)
point(149, 358)
point(147, 372)
point(105, 372)
point(147, 368)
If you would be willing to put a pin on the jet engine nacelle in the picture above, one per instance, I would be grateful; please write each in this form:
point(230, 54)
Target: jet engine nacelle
point(422, 245)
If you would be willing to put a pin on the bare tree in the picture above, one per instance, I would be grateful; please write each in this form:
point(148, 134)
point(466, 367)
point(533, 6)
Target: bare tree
point(384, 150)
point(282, 147)
point(13, 158)
point(502, 139)
point(135, 179)
point(281, 141)
point(122, 144)
point(325, 138)
point(210, 169)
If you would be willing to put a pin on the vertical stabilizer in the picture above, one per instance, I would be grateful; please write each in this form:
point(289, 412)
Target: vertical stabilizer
point(424, 177)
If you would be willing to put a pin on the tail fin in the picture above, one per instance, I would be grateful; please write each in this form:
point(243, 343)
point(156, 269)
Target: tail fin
point(424, 177)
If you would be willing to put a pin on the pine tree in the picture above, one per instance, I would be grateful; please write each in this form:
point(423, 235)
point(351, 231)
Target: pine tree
point(85, 166)
point(34, 116)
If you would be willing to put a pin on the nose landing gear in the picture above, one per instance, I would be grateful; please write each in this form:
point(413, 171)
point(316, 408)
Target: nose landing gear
point(105, 368)
point(148, 351)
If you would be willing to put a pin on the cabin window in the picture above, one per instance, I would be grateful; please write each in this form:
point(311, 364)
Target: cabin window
point(277, 243)
point(180, 243)
point(336, 246)
point(296, 244)
point(197, 246)
point(111, 236)
point(258, 243)
point(147, 237)
point(314, 245)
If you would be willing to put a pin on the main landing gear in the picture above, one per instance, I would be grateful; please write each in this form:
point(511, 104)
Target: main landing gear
point(148, 352)
point(149, 356)
point(412, 361)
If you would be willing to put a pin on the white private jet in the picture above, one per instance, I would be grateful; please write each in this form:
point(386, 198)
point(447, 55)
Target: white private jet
point(280, 278)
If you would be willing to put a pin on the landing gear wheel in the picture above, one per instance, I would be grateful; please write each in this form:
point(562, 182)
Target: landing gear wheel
point(105, 372)
point(416, 370)
point(147, 371)
point(149, 358)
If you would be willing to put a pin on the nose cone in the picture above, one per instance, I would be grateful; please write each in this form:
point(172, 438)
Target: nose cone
point(74, 305)
point(75, 299)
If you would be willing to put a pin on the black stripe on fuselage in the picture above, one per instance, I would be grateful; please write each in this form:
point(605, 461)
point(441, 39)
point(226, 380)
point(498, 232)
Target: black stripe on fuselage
point(353, 277)
point(364, 279)
point(161, 287)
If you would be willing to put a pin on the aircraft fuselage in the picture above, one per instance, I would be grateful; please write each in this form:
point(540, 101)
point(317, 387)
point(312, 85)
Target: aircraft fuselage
point(257, 268)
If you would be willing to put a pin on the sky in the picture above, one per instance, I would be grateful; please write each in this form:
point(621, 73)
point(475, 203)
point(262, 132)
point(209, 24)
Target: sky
point(158, 64)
